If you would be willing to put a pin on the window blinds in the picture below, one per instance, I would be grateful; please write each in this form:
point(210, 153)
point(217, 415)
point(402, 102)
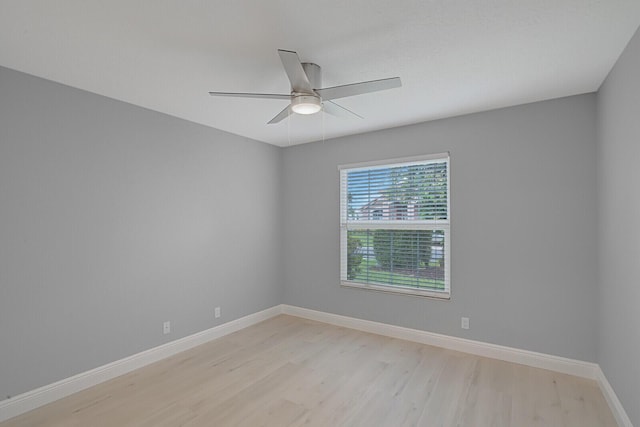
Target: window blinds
point(395, 225)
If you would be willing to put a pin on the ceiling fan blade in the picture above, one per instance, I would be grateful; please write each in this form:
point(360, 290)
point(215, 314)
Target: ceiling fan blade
point(252, 95)
point(295, 72)
point(358, 88)
point(281, 115)
point(338, 110)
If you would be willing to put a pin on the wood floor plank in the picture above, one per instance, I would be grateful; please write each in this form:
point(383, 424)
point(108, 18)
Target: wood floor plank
point(292, 372)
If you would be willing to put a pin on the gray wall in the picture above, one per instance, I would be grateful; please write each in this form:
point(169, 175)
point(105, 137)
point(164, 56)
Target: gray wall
point(619, 228)
point(523, 226)
point(113, 219)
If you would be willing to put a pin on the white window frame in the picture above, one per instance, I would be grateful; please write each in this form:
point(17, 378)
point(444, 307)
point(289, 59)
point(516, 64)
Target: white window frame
point(373, 224)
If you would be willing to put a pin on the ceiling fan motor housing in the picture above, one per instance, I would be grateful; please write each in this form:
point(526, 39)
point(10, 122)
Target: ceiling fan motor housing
point(306, 104)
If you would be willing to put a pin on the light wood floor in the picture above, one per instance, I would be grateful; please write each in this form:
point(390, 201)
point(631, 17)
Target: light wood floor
point(288, 371)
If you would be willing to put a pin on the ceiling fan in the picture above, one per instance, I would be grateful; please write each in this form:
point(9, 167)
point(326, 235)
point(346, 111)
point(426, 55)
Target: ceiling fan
point(307, 96)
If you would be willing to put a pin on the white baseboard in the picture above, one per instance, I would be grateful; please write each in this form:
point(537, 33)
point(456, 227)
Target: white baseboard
point(524, 357)
point(41, 396)
point(25, 402)
point(508, 354)
point(619, 413)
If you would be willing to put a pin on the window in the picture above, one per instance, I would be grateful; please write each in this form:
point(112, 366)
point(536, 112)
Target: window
point(394, 226)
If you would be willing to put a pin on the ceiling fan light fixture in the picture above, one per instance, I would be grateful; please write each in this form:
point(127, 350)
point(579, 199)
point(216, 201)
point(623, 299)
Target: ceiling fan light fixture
point(306, 104)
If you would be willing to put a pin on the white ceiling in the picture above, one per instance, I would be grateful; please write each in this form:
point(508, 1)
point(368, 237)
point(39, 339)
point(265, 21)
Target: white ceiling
point(453, 56)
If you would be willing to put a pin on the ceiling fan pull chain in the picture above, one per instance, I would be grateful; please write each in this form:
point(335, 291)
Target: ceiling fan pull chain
point(323, 114)
point(289, 126)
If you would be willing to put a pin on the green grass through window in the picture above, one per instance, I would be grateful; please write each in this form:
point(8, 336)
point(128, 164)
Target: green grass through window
point(371, 273)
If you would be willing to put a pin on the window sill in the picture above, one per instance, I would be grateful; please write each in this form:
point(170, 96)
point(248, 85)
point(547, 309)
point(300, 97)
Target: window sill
point(423, 293)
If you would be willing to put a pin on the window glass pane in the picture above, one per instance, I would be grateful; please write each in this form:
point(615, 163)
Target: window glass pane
point(412, 192)
point(408, 258)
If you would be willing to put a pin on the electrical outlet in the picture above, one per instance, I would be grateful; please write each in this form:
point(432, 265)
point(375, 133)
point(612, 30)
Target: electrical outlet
point(217, 312)
point(166, 327)
point(465, 323)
